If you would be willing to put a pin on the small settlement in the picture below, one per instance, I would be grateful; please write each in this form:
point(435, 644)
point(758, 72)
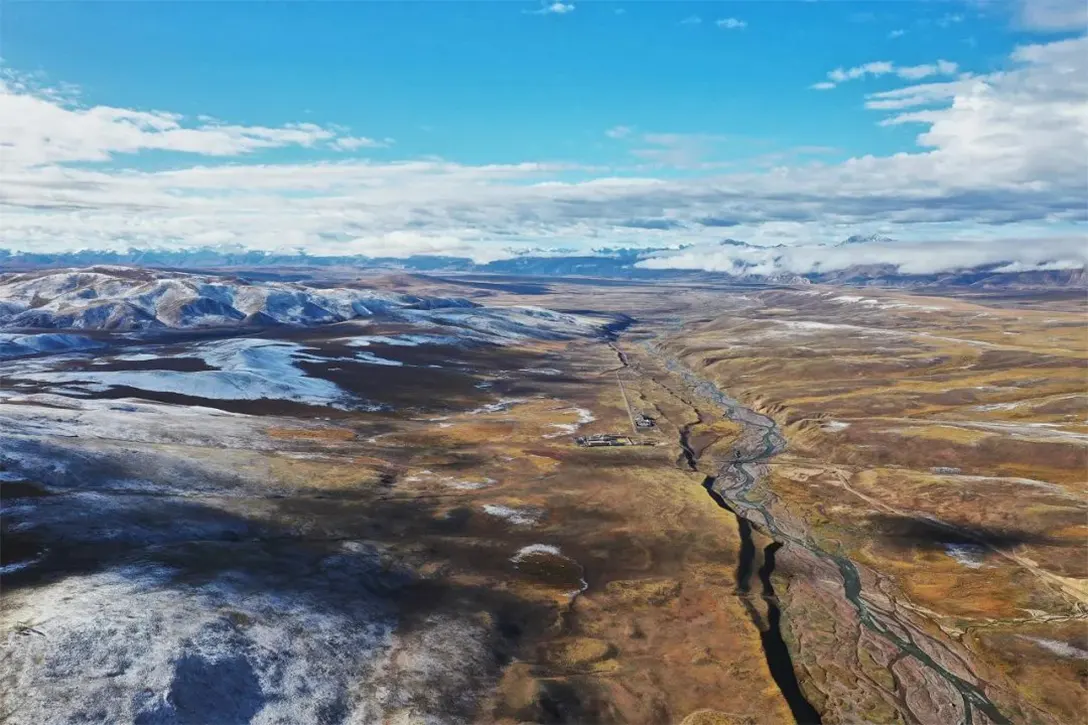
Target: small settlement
point(600, 440)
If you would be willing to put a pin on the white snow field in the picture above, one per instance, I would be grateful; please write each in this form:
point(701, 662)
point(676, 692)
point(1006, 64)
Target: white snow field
point(246, 369)
point(173, 584)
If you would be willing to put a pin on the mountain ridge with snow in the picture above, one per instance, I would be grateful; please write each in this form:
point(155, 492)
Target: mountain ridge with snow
point(125, 298)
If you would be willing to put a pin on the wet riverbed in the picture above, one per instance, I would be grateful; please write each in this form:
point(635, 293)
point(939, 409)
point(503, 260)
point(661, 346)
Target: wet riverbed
point(732, 488)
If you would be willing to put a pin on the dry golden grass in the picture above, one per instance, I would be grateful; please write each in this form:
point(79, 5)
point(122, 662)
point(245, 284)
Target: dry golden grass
point(713, 717)
point(645, 592)
point(312, 434)
point(876, 401)
point(582, 653)
point(352, 472)
point(969, 415)
point(964, 436)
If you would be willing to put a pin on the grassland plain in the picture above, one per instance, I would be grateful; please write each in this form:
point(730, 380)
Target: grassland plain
point(493, 571)
point(454, 557)
point(939, 444)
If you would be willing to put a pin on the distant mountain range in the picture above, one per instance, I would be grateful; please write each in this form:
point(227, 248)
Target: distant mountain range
point(618, 262)
point(748, 263)
point(127, 298)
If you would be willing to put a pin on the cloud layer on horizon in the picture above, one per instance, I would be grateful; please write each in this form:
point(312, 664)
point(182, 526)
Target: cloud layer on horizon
point(1001, 156)
point(929, 257)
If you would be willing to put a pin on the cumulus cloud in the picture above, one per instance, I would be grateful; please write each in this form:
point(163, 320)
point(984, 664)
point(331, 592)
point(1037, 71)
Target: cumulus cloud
point(731, 24)
point(897, 33)
point(618, 132)
point(999, 154)
point(555, 8)
point(885, 67)
point(42, 128)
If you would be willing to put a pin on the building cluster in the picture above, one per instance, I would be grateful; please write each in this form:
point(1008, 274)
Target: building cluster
point(598, 440)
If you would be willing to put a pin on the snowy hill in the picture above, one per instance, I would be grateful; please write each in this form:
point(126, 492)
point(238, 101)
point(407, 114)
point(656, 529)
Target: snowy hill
point(123, 298)
point(23, 345)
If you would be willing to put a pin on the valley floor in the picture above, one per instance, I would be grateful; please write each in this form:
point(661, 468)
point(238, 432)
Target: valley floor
point(850, 508)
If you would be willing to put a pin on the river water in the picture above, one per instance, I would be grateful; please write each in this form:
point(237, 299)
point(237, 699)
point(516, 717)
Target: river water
point(732, 488)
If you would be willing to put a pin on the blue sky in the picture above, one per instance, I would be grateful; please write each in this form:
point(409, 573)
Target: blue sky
point(489, 82)
point(664, 92)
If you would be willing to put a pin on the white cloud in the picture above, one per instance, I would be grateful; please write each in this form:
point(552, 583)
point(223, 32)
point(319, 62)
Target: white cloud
point(928, 257)
point(555, 8)
point(39, 128)
point(897, 33)
point(876, 68)
point(917, 72)
point(883, 68)
point(1000, 155)
point(618, 132)
point(731, 24)
point(354, 143)
point(691, 20)
point(918, 95)
point(1053, 15)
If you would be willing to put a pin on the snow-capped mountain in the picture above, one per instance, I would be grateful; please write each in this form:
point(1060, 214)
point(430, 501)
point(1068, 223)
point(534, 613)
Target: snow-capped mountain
point(865, 239)
point(123, 298)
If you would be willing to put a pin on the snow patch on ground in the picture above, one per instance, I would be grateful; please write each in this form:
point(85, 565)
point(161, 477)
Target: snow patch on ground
point(372, 359)
point(969, 555)
point(882, 304)
point(501, 406)
point(518, 517)
point(542, 371)
point(467, 485)
point(136, 357)
point(999, 406)
point(1034, 483)
point(584, 416)
point(535, 549)
point(247, 369)
point(835, 425)
point(400, 340)
point(449, 481)
point(129, 645)
point(1046, 431)
point(18, 565)
point(869, 301)
point(1062, 649)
